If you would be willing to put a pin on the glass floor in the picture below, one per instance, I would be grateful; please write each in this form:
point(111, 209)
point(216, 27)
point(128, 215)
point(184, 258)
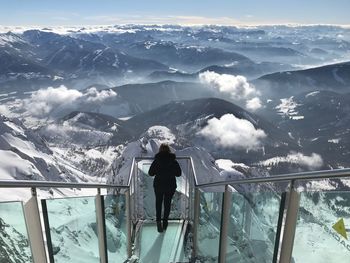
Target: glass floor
point(169, 246)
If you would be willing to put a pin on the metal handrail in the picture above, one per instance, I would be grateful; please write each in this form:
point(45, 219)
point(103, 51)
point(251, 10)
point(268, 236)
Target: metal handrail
point(55, 184)
point(135, 159)
point(47, 184)
point(194, 172)
point(151, 158)
point(314, 175)
point(131, 171)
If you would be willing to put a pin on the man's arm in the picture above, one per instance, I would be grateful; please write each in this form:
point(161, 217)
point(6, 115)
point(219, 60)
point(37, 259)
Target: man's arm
point(152, 170)
point(177, 169)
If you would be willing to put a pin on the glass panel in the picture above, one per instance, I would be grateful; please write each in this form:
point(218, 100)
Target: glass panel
point(183, 195)
point(14, 243)
point(73, 229)
point(316, 240)
point(252, 227)
point(133, 195)
point(146, 191)
point(145, 198)
point(209, 226)
point(116, 232)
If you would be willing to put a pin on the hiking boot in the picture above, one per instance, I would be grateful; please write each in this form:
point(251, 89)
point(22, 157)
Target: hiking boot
point(159, 227)
point(165, 224)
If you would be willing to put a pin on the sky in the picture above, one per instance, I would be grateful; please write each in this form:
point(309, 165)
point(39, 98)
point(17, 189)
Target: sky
point(225, 12)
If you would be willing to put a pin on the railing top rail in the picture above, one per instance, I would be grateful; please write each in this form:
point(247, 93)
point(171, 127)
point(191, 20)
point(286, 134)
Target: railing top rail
point(30, 184)
point(44, 184)
point(194, 172)
point(314, 175)
point(131, 171)
point(151, 158)
point(189, 158)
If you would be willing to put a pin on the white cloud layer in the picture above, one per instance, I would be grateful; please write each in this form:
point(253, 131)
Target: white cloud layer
point(312, 162)
point(253, 104)
point(232, 132)
point(237, 87)
point(5, 111)
point(44, 101)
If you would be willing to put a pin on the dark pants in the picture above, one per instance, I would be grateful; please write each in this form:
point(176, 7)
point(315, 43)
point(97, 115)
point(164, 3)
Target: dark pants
point(160, 197)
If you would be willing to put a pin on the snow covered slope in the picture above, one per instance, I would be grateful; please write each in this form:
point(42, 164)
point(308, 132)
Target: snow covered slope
point(26, 156)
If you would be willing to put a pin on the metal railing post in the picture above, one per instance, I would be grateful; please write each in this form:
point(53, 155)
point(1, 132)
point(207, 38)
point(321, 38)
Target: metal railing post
point(100, 216)
point(279, 228)
point(293, 200)
point(190, 215)
point(247, 218)
point(34, 228)
point(196, 222)
point(225, 217)
point(128, 222)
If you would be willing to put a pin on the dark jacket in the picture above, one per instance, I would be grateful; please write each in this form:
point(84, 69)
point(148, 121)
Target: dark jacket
point(165, 168)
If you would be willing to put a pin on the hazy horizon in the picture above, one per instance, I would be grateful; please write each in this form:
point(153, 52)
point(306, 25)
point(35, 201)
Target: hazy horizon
point(224, 12)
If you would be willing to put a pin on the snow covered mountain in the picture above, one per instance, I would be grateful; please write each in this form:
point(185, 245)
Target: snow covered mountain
point(27, 156)
point(141, 97)
point(111, 55)
point(334, 77)
point(189, 58)
point(63, 53)
point(81, 102)
point(249, 69)
point(215, 125)
point(87, 129)
point(300, 116)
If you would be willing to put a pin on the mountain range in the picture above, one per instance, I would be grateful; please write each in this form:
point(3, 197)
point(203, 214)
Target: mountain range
point(77, 104)
point(154, 75)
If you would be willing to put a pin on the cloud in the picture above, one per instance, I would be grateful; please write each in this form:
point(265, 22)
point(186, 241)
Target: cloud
point(93, 95)
point(200, 20)
point(61, 18)
point(150, 20)
point(312, 162)
point(44, 101)
point(237, 87)
point(248, 16)
point(5, 110)
point(231, 132)
point(253, 104)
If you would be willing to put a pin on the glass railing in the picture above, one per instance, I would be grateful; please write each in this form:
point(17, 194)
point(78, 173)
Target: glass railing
point(143, 196)
point(14, 241)
point(322, 228)
point(229, 221)
point(209, 226)
point(252, 227)
point(116, 227)
point(71, 229)
point(251, 222)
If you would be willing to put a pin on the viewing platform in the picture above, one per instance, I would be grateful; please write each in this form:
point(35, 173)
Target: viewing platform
point(264, 219)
